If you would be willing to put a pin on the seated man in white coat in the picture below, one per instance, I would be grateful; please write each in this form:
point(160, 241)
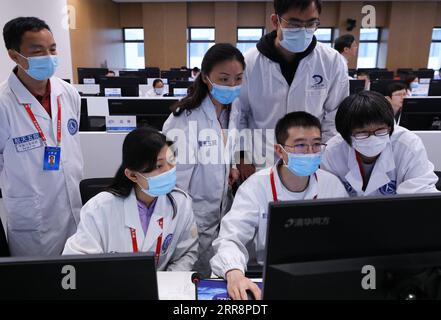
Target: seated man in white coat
point(295, 177)
point(372, 156)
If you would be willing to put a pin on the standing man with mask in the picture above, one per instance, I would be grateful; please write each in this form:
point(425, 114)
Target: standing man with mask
point(40, 156)
point(288, 71)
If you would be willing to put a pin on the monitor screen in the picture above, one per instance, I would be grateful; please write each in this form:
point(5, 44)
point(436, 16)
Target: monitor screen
point(106, 276)
point(322, 230)
point(91, 75)
point(435, 88)
point(421, 114)
point(119, 86)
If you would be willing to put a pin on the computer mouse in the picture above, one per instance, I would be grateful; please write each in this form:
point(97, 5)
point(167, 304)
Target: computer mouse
point(250, 295)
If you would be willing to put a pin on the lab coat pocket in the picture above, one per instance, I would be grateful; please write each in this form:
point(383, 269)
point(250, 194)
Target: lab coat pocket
point(24, 213)
point(315, 99)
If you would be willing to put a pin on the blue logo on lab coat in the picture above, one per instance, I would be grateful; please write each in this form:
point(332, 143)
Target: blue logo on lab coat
point(318, 79)
point(349, 188)
point(167, 242)
point(389, 189)
point(72, 126)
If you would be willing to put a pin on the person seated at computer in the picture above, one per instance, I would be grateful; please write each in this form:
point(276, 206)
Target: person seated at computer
point(200, 125)
point(110, 73)
point(413, 83)
point(396, 92)
point(194, 73)
point(372, 156)
point(142, 210)
point(157, 89)
point(362, 75)
point(296, 176)
point(437, 75)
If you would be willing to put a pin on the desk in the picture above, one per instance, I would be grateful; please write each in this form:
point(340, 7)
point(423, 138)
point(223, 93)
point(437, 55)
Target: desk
point(432, 140)
point(175, 286)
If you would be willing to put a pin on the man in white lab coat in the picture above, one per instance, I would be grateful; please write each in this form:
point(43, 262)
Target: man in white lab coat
point(347, 47)
point(40, 156)
point(295, 177)
point(288, 71)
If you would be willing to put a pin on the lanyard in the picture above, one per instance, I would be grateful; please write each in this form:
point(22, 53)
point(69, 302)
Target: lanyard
point(360, 166)
point(273, 185)
point(37, 125)
point(158, 241)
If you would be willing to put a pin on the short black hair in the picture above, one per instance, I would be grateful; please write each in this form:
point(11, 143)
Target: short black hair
point(196, 69)
point(394, 87)
point(156, 81)
point(363, 73)
point(14, 30)
point(295, 119)
point(282, 6)
point(345, 41)
point(363, 109)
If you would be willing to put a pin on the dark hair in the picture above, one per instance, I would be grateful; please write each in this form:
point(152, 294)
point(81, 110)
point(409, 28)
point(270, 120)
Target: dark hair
point(345, 41)
point(156, 82)
point(14, 30)
point(216, 54)
point(140, 152)
point(363, 109)
point(295, 119)
point(111, 71)
point(409, 79)
point(363, 73)
point(196, 69)
point(394, 87)
point(282, 6)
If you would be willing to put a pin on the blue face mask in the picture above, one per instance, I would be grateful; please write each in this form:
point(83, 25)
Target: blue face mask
point(296, 39)
point(161, 184)
point(224, 94)
point(414, 85)
point(303, 165)
point(41, 68)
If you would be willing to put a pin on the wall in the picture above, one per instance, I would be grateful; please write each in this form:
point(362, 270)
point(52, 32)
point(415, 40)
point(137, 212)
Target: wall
point(166, 34)
point(54, 13)
point(97, 38)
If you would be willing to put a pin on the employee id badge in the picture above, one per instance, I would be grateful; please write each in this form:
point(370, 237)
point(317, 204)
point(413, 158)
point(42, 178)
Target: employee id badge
point(51, 160)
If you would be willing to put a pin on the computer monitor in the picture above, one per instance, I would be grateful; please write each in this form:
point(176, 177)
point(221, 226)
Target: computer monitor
point(148, 112)
point(178, 88)
point(435, 88)
point(381, 75)
point(176, 74)
point(119, 86)
point(355, 86)
point(141, 75)
point(107, 276)
point(90, 123)
point(91, 75)
point(421, 114)
point(152, 72)
point(382, 86)
point(425, 73)
point(352, 73)
point(315, 248)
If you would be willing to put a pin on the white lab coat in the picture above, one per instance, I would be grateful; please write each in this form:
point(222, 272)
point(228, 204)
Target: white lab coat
point(402, 168)
point(42, 207)
point(320, 84)
point(203, 168)
point(105, 225)
point(245, 225)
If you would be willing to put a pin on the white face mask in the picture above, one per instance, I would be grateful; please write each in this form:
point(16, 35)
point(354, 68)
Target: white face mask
point(159, 91)
point(372, 146)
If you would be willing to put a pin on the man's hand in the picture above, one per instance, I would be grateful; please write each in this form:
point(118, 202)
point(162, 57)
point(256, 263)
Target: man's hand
point(238, 284)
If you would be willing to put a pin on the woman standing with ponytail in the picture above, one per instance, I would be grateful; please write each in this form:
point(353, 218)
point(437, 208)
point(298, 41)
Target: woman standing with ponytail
point(142, 209)
point(201, 125)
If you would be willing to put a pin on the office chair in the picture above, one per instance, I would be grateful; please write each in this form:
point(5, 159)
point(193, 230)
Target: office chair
point(91, 187)
point(4, 248)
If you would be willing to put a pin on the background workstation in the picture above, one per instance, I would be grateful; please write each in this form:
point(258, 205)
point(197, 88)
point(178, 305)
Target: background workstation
point(96, 34)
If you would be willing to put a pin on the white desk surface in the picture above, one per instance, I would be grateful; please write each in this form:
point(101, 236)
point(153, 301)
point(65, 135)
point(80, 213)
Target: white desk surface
point(175, 286)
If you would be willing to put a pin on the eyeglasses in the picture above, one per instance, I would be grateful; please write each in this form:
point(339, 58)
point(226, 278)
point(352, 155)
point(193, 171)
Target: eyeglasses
point(366, 134)
point(401, 94)
point(304, 148)
point(295, 24)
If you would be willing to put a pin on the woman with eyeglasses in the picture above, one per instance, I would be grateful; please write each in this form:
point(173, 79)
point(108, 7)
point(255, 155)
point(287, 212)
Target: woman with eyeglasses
point(296, 176)
point(372, 156)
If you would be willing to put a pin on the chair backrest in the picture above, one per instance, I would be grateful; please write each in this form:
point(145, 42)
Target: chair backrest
point(438, 184)
point(4, 248)
point(91, 187)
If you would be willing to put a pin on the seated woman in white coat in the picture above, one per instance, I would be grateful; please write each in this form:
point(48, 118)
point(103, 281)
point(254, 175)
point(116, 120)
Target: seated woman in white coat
point(295, 177)
point(201, 125)
point(372, 156)
point(142, 209)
